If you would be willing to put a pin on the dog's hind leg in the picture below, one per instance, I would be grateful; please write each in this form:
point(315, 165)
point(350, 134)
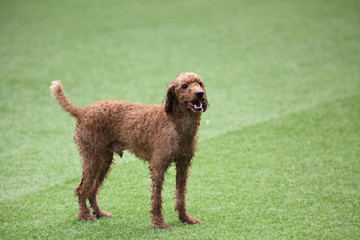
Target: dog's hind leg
point(84, 212)
point(96, 164)
point(105, 161)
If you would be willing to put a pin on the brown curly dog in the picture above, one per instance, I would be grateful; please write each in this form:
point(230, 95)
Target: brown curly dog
point(159, 134)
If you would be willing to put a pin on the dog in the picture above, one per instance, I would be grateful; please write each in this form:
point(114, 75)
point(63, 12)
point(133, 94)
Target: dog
point(159, 134)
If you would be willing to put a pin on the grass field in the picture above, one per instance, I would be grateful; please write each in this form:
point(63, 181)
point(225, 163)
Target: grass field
point(279, 147)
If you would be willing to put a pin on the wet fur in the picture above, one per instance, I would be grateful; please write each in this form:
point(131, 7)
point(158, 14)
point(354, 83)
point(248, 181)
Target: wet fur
point(159, 134)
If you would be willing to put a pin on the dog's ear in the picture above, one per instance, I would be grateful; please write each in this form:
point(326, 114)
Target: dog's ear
point(170, 100)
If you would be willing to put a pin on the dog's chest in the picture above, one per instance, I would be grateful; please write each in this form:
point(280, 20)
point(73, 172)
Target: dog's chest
point(181, 141)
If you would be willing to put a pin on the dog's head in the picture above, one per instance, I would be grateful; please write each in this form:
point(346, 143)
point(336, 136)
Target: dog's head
point(186, 92)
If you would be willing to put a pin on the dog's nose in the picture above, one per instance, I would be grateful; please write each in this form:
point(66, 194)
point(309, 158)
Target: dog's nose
point(199, 94)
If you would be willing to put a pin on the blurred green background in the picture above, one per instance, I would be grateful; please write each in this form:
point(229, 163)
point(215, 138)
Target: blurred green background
point(279, 146)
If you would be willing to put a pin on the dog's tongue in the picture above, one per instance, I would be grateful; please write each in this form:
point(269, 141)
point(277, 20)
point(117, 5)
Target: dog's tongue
point(196, 103)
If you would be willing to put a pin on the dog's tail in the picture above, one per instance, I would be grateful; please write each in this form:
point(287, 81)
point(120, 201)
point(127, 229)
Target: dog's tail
point(57, 91)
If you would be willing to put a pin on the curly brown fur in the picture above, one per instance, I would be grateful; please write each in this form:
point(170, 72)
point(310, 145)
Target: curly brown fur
point(159, 134)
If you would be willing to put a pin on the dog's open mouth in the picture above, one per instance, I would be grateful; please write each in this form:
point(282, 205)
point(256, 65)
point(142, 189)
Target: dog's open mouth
point(195, 105)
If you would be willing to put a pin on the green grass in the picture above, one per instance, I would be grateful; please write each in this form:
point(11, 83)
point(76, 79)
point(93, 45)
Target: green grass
point(279, 147)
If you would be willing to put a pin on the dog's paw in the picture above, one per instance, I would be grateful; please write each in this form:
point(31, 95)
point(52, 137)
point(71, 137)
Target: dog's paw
point(190, 220)
point(162, 225)
point(86, 217)
point(102, 214)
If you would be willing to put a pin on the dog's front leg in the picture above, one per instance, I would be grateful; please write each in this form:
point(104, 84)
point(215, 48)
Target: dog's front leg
point(157, 171)
point(182, 172)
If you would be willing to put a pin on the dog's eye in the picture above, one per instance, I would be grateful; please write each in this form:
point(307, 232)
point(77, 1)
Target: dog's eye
point(200, 83)
point(184, 86)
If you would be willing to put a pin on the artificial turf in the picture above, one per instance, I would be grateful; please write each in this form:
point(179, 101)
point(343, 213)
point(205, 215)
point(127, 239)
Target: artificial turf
point(279, 147)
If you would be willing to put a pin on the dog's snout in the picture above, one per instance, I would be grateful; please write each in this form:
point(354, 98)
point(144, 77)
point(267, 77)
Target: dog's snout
point(199, 94)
